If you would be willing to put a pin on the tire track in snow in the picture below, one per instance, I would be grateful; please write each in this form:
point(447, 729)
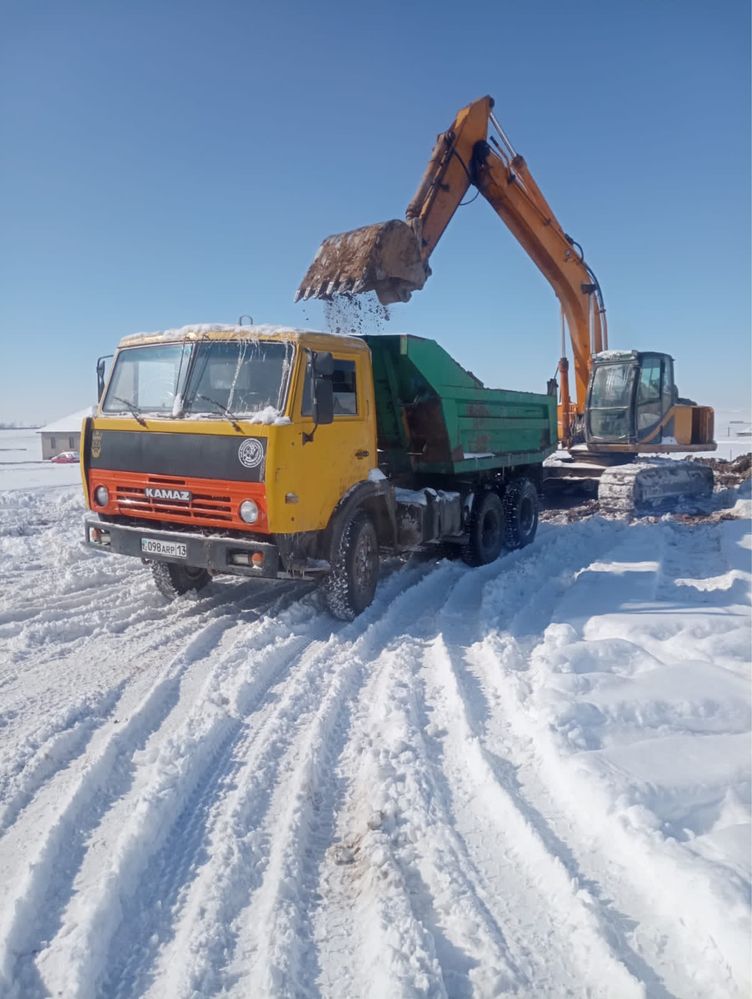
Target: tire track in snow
point(284, 956)
point(523, 606)
point(562, 928)
point(199, 758)
point(57, 733)
point(60, 742)
point(37, 899)
point(437, 890)
point(128, 604)
point(496, 672)
point(169, 863)
point(404, 910)
point(478, 691)
point(239, 844)
point(505, 762)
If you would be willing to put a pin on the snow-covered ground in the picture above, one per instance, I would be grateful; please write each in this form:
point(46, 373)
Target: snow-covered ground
point(21, 465)
point(530, 778)
point(733, 432)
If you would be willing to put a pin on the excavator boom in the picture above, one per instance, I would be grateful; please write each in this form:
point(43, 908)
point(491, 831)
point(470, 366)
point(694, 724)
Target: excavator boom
point(624, 403)
point(392, 258)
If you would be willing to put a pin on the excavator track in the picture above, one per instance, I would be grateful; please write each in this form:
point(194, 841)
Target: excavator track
point(645, 487)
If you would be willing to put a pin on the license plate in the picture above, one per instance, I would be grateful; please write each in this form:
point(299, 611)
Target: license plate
point(172, 549)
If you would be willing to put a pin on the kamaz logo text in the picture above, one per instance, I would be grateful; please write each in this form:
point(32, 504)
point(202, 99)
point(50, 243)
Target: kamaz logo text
point(177, 495)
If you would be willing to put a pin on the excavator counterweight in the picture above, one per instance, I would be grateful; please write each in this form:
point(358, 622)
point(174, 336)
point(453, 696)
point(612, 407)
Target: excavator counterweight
point(384, 258)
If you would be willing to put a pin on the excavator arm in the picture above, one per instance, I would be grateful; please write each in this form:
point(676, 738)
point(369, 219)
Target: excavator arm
point(392, 258)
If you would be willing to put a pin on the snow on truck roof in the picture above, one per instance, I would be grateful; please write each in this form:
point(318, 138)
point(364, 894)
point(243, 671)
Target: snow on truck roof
point(219, 331)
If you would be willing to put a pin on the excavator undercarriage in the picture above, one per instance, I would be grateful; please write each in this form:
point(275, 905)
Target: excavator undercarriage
point(647, 487)
point(633, 486)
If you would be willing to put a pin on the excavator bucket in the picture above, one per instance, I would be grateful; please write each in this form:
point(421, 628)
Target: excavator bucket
point(384, 258)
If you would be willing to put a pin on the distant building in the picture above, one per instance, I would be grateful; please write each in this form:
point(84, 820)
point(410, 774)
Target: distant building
point(63, 435)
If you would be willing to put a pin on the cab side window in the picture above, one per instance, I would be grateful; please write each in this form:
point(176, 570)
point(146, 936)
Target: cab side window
point(345, 389)
point(649, 394)
point(345, 394)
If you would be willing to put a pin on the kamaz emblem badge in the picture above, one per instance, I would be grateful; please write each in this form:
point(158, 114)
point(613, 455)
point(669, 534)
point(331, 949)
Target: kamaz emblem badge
point(251, 452)
point(177, 495)
point(96, 443)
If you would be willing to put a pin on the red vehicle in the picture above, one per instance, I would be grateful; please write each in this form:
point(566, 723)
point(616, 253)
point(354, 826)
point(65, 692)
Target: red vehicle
point(66, 458)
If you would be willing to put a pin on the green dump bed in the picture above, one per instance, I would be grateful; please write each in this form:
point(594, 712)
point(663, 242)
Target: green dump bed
point(435, 418)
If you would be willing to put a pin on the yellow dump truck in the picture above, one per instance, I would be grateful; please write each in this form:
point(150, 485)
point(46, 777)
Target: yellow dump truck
point(278, 453)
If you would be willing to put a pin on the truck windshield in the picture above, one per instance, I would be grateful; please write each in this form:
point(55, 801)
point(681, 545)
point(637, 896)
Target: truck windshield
point(243, 377)
point(146, 379)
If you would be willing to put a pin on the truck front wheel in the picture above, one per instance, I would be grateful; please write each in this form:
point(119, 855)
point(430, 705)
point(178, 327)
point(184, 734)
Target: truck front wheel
point(350, 586)
point(171, 580)
point(486, 531)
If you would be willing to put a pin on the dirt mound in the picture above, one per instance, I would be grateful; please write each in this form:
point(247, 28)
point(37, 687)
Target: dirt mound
point(566, 511)
point(566, 506)
point(729, 472)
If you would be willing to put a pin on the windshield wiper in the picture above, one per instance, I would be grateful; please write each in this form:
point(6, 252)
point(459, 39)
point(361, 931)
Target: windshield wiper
point(228, 412)
point(133, 410)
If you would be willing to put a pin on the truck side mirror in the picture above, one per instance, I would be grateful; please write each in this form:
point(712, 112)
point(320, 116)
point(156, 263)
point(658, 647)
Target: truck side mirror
point(322, 369)
point(100, 375)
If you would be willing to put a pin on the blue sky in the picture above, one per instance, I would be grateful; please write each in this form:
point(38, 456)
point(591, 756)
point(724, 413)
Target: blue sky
point(163, 163)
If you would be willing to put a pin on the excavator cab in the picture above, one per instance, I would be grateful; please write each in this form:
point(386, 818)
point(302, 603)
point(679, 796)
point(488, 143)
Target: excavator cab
point(629, 395)
point(633, 404)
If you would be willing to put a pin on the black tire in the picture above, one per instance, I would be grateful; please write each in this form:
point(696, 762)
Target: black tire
point(521, 510)
point(171, 580)
point(486, 531)
point(350, 585)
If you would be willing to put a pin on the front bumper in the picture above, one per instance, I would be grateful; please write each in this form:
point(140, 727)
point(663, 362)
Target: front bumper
point(220, 554)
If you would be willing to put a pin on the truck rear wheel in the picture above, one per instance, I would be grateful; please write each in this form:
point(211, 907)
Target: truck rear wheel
point(171, 580)
point(486, 532)
point(521, 513)
point(351, 583)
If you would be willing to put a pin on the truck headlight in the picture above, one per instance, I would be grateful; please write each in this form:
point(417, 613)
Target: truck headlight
point(101, 495)
point(249, 511)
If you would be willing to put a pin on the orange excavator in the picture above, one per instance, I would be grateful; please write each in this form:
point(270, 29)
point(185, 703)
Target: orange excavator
point(625, 402)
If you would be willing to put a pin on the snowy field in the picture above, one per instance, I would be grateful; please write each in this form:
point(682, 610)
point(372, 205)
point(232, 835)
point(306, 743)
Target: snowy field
point(526, 779)
point(21, 465)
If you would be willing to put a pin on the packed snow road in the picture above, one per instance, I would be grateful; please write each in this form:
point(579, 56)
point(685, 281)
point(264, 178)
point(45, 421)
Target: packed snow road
point(530, 778)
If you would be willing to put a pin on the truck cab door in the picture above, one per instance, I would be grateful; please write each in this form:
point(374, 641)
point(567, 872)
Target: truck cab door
point(331, 458)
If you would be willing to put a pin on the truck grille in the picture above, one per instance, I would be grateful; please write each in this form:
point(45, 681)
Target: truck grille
point(203, 508)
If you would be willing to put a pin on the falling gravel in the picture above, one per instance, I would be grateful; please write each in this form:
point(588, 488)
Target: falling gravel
point(346, 314)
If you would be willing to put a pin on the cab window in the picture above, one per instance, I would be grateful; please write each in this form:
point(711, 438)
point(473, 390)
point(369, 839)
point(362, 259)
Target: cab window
point(649, 402)
point(609, 416)
point(345, 389)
